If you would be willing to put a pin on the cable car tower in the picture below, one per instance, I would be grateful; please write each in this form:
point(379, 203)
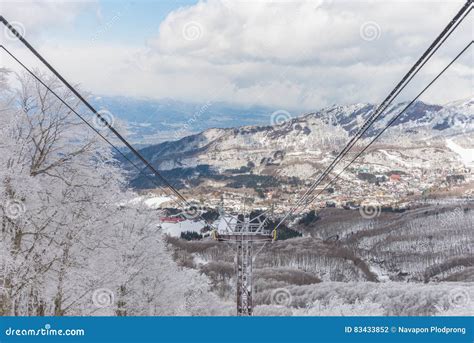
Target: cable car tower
point(244, 233)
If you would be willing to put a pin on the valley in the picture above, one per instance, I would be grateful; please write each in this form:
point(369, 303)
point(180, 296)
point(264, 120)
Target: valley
point(399, 216)
point(429, 151)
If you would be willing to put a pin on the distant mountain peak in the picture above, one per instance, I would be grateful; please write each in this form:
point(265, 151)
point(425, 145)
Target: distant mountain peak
point(312, 134)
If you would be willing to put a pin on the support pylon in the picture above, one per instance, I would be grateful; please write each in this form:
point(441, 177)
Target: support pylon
point(244, 233)
point(243, 268)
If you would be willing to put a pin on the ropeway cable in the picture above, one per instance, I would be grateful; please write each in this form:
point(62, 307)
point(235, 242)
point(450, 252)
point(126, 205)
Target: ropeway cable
point(140, 170)
point(441, 38)
point(393, 120)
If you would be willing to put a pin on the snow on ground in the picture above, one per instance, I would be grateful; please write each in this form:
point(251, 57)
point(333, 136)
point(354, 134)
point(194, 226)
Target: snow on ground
point(381, 276)
point(466, 155)
point(222, 223)
point(304, 153)
point(175, 229)
point(199, 260)
point(152, 202)
point(371, 298)
point(395, 158)
point(155, 202)
point(302, 170)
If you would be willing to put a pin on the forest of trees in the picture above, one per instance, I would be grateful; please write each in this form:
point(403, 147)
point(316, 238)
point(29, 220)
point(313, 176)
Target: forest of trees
point(71, 242)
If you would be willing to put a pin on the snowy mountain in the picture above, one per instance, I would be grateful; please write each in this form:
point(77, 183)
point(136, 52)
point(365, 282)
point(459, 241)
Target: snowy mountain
point(301, 146)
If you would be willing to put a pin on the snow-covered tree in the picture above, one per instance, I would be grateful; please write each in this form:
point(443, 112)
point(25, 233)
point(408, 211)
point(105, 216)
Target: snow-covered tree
point(71, 241)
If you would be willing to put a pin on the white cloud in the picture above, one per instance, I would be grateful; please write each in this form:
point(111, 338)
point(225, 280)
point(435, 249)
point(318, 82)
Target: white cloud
point(285, 54)
point(38, 15)
point(307, 54)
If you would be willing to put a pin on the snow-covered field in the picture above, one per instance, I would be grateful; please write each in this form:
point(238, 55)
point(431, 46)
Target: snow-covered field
point(153, 202)
point(175, 229)
point(369, 299)
point(466, 155)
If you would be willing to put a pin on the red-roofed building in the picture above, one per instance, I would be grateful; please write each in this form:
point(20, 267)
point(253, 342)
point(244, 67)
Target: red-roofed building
point(171, 219)
point(395, 177)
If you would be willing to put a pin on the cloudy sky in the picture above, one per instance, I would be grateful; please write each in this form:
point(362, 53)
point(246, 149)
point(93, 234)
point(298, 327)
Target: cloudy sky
point(283, 54)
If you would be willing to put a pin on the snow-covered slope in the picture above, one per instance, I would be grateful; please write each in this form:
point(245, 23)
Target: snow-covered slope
point(301, 145)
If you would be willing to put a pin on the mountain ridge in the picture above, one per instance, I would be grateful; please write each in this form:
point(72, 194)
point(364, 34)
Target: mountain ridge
point(330, 125)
